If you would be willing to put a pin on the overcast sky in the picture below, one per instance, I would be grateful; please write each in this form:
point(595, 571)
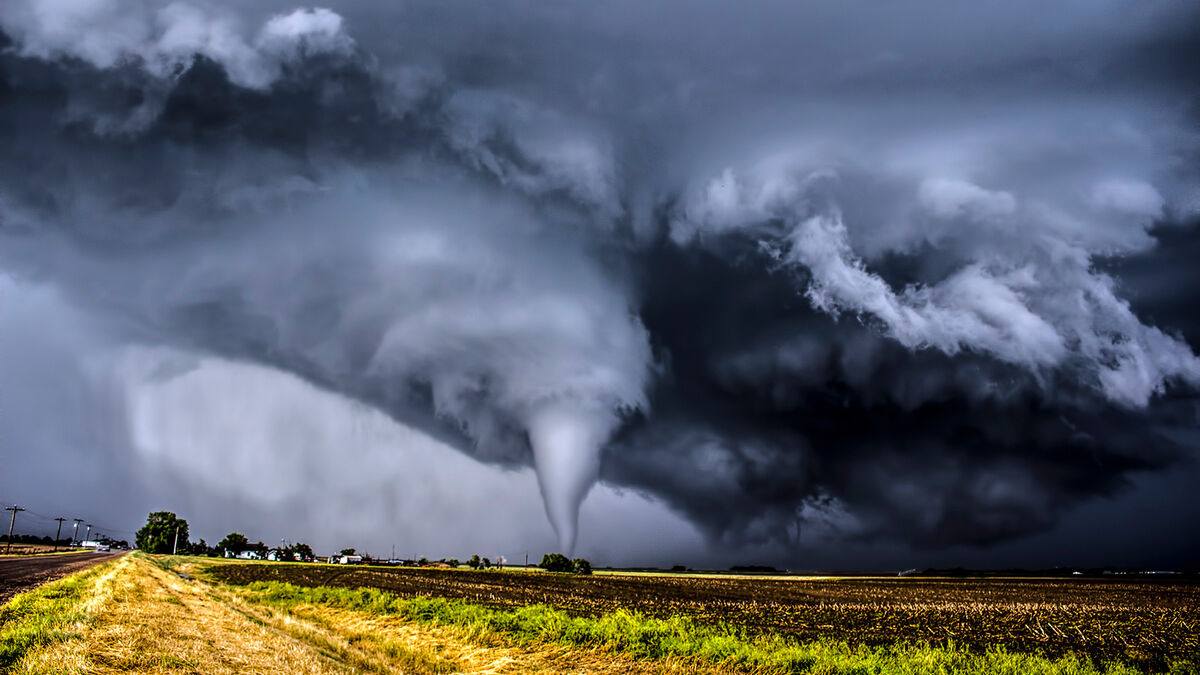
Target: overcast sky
point(815, 284)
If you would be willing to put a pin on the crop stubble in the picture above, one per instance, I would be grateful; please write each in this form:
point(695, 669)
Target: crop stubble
point(1145, 621)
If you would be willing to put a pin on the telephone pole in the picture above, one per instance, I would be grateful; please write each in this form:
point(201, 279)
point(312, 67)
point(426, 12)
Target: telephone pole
point(88, 535)
point(175, 546)
point(60, 522)
point(13, 521)
point(75, 532)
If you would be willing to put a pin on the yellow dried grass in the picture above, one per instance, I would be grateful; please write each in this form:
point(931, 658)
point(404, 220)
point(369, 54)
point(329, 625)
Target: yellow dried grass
point(146, 619)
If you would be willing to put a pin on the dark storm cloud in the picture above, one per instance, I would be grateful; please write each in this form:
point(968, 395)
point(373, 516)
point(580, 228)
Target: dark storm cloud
point(767, 412)
point(798, 267)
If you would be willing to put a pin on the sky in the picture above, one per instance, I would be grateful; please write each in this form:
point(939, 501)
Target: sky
point(819, 285)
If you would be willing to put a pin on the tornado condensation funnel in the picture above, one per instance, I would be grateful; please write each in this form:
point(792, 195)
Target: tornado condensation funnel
point(566, 440)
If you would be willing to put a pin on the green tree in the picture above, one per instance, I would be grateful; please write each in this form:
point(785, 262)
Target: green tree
point(199, 548)
point(347, 551)
point(453, 562)
point(556, 562)
point(581, 566)
point(304, 551)
point(236, 542)
point(473, 563)
point(158, 534)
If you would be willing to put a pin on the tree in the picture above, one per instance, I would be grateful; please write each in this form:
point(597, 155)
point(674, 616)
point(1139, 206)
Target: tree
point(453, 562)
point(473, 563)
point(199, 548)
point(423, 562)
point(556, 562)
point(234, 541)
point(158, 534)
point(485, 563)
point(347, 551)
point(581, 566)
point(304, 551)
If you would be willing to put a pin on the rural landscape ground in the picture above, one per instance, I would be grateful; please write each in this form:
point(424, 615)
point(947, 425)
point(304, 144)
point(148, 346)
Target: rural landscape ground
point(21, 572)
point(180, 614)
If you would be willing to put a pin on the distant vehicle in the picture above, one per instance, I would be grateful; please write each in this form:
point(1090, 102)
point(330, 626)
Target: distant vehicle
point(103, 547)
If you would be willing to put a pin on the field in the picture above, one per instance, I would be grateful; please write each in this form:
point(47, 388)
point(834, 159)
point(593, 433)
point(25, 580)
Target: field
point(1148, 623)
point(149, 614)
point(36, 549)
point(176, 615)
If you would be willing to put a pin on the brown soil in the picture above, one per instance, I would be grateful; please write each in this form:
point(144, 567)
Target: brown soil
point(1147, 622)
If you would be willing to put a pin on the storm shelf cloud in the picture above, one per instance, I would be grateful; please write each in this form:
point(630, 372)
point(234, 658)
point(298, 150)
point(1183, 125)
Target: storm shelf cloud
point(804, 275)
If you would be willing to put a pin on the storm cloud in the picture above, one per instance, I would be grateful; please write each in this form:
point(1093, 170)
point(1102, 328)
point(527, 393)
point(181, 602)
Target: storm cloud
point(887, 274)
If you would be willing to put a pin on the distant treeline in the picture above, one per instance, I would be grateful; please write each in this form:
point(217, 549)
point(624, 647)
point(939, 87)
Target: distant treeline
point(34, 539)
point(49, 541)
point(962, 572)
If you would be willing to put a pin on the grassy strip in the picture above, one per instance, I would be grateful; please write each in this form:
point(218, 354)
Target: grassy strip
point(43, 616)
point(682, 639)
point(28, 554)
point(350, 644)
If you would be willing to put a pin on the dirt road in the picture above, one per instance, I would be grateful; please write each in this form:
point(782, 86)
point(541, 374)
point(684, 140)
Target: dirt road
point(19, 574)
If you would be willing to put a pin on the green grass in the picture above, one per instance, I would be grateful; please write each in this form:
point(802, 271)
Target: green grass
point(43, 616)
point(682, 639)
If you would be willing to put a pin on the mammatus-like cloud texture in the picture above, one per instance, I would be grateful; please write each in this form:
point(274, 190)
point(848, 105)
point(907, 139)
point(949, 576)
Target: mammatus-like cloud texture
point(771, 268)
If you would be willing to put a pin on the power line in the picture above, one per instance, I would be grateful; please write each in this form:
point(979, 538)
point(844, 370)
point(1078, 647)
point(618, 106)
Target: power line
point(13, 521)
point(50, 519)
point(34, 514)
point(100, 526)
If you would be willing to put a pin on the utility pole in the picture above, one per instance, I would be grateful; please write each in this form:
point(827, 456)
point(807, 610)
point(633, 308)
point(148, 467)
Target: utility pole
point(13, 521)
point(175, 546)
point(75, 532)
point(88, 535)
point(60, 522)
